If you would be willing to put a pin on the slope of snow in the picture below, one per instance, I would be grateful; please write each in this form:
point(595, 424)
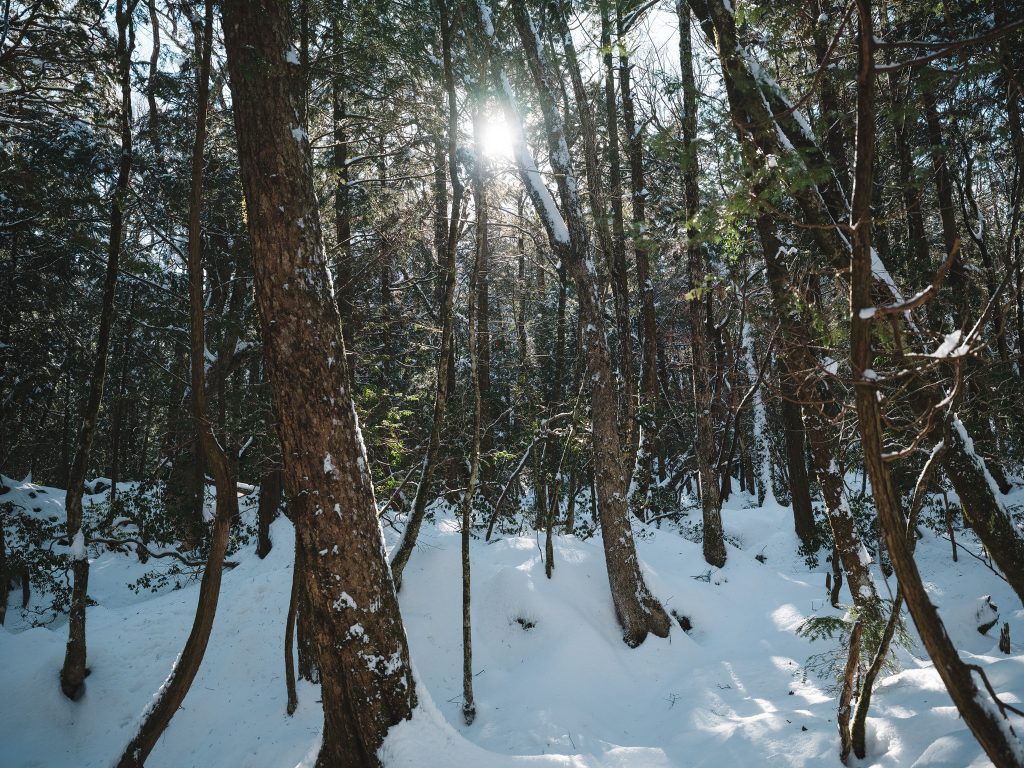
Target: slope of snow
point(564, 692)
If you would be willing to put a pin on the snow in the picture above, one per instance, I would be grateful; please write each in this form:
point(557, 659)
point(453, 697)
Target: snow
point(866, 313)
point(878, 269)
point(968, 442)
point(566, 693)
point(485, 16)
point(78, 551)
point(951, 346)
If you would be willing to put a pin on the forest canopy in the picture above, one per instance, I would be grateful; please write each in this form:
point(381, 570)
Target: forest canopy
point(585, 320)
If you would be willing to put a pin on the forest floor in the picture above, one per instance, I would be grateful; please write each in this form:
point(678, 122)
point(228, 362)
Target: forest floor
point(554, 685)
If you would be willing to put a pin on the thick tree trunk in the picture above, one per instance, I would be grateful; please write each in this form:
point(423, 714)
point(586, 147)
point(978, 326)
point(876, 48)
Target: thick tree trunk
point(366, 681)
point(73, 672)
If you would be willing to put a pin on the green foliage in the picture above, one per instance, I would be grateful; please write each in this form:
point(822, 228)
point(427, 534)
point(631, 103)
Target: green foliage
point(30, 542)
point(828, 665)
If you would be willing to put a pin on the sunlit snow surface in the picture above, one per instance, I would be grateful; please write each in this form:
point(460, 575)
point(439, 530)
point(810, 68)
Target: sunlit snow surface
point(566, 692)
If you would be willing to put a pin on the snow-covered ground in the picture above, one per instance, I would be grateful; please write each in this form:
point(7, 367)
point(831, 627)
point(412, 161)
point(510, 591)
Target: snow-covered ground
point(564, 692)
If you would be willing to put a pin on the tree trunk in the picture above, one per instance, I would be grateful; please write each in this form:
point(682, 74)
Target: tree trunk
point(988, 723)
point(637, 610)
point(344, 274)
point(173, 691)
point(752, 119)
point(445, 366)
point(360, 641)
point(73, 672)
point(271, 488)
point(643, 250)
point(796, 459)
point(982, 507)
point(480, 203)
point(5, 577)
point(176, 687)
point(696, 266)
point(617, 256)
point(289, 635)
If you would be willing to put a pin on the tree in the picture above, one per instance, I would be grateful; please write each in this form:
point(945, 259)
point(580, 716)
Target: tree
point(987, 720)
point(638, 612)
point(73, 671)
point(366, 681)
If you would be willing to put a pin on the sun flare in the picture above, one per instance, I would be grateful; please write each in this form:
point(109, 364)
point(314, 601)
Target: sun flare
point(496, 137)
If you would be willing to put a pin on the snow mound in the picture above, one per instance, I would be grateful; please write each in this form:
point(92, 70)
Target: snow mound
point(555, 685)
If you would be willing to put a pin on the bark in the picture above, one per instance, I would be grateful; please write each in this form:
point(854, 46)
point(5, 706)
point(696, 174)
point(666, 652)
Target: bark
point(846, 694)
point(73, 671)
point(986, 721)
point(289, 636)
point(982, 507)
point(344, 274)
point(5, 577)
point(696, 266)
point(617, 256)
point(796, 460)
point(271, 488)
point(305, 630)
point(643, 249)
point(638, 612)
point(480, 202)
point(943, 180)
point(445, 367)
point(366, 682)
